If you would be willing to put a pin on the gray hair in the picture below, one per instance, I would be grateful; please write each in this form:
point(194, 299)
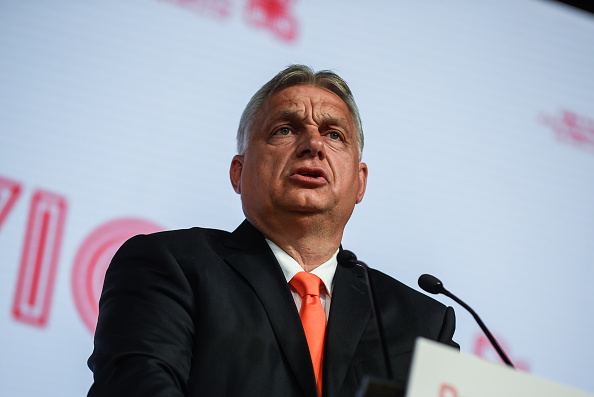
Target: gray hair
point(292, 76)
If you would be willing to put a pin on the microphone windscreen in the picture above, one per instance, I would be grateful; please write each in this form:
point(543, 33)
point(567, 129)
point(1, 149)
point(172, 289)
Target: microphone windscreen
point(346, 258)
point(430, 284)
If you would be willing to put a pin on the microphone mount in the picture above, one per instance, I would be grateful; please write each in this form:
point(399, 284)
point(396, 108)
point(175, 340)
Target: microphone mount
point(433, 285)
point(348, 259)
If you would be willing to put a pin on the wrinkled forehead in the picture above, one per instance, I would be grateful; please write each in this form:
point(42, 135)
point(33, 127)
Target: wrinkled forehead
point(297, 103)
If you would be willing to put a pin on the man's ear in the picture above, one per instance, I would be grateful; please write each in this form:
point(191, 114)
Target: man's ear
point(363, 171)
point(235, 172)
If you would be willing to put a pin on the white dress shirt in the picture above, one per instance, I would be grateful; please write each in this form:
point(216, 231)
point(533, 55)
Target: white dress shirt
point(325, 272)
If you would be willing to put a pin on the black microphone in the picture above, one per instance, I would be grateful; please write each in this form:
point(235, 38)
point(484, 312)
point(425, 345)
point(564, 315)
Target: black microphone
point(348, 259)
point(432, 285)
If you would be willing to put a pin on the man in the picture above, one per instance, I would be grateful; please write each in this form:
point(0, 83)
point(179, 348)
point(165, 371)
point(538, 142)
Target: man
point(206, 312)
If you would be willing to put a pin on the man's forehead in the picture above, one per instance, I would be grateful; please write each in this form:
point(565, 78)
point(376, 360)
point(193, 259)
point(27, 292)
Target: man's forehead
point(297, 101)
point(296, 114)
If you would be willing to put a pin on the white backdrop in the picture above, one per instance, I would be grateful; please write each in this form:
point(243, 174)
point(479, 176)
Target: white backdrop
point(119, 118)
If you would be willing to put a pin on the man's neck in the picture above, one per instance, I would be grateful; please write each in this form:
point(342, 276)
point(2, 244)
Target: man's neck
point(308, 240)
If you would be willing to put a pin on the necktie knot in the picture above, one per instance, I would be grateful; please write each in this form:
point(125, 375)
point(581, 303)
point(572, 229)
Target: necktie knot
point(306, 284)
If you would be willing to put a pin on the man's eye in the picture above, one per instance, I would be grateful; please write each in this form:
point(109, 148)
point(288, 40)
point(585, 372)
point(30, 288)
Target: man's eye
point(284, 131)
point(334, 135)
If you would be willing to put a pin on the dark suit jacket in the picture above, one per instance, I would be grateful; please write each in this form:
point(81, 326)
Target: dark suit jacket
point(206, 312)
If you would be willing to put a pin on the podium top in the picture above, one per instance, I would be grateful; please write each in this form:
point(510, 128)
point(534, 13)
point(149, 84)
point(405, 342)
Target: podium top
point(441, 371)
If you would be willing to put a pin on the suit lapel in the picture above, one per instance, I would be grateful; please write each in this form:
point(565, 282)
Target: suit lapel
point(349, 315)
point(257, 264)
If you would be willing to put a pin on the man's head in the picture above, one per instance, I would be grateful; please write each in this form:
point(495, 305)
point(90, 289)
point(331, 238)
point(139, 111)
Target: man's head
point(299, 75)
point(300, 150)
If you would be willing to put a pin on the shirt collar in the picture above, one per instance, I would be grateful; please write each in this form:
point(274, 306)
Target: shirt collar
point(290, 267)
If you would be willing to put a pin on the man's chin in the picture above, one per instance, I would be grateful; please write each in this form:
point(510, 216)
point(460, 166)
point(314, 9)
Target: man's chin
point(306, 200)
point(306, 207)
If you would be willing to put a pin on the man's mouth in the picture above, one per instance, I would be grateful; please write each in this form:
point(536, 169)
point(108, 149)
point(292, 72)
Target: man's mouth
point(310, 174)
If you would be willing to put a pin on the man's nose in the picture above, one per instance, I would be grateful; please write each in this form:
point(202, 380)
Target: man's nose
point(311, 143)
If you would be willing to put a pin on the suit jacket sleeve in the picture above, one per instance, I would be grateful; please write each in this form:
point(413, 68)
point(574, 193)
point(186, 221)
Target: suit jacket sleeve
point(143, 340)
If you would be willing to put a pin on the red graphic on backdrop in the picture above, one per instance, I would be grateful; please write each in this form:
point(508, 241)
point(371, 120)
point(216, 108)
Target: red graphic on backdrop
point(215, 8)
point(273, 15)
point(40, 258)
point(484, 349)
point(446, 390)
point(9, 193)
point(92, 260)
point(572, 128)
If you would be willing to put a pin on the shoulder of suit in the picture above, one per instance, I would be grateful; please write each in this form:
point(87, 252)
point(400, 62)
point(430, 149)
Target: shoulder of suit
point(389, 286)
point(191, 233)
point(183, 240)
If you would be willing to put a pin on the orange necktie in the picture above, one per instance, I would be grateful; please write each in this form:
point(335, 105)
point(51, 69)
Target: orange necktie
point(313, 319)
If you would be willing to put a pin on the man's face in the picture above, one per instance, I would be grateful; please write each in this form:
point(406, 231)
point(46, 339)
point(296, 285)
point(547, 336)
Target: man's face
point(301, 157)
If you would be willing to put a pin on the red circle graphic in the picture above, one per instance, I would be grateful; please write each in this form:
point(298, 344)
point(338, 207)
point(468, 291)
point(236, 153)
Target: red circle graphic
point(92, 259)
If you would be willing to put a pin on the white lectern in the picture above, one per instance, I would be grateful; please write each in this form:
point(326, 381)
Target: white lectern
point(441, 371)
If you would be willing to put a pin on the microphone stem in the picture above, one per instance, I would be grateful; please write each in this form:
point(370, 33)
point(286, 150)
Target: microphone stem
point(500, 351)
point(378, 321)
